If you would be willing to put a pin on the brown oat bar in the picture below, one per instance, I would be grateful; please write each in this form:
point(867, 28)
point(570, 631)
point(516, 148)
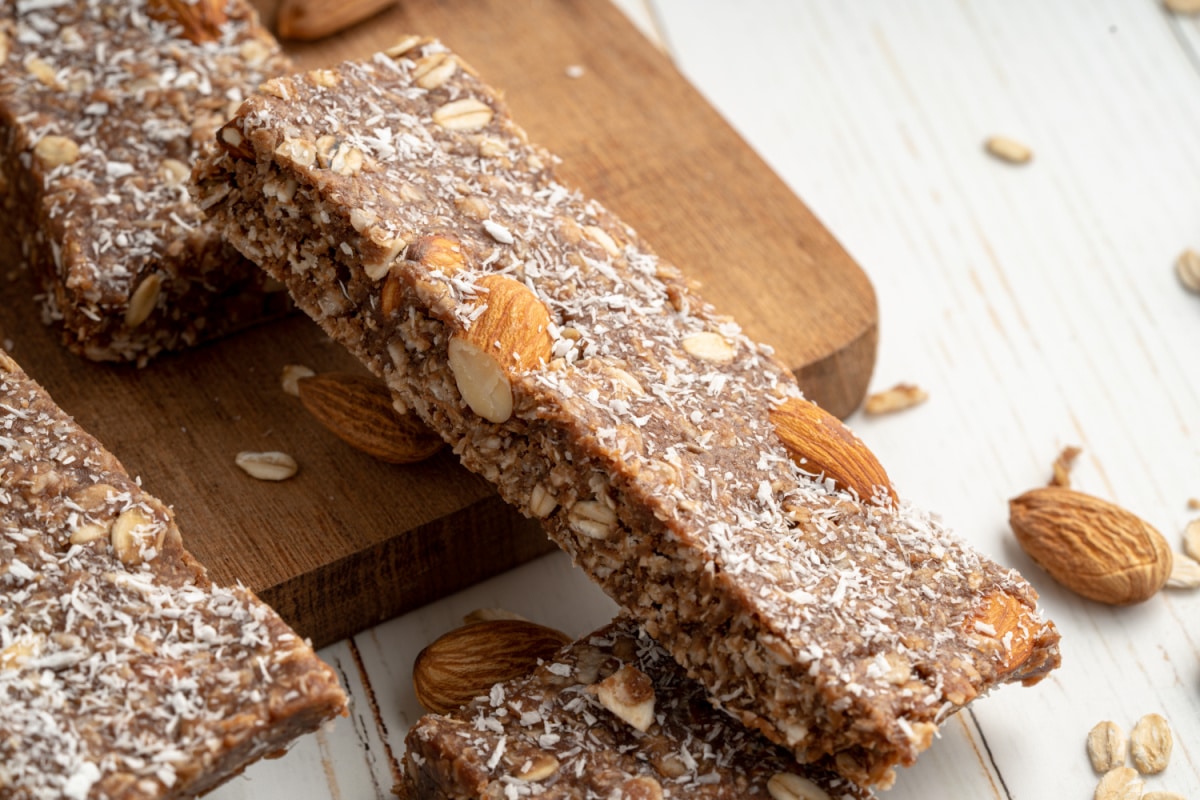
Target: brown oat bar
point(612, 715)
point(124, 672)
point(103, 108)
point(578, 371)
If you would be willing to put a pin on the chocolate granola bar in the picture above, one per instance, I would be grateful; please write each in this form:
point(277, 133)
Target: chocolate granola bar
point(662, 449)
point(103, 108)
point(612, 715)
point(124, 672)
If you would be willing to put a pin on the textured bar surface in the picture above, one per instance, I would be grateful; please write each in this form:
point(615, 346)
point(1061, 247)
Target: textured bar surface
point(551, 735)
point(124, 673)
point(408, 214)
point(103, 108)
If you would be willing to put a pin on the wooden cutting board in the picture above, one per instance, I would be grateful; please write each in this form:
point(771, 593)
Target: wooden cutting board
point(350, 541)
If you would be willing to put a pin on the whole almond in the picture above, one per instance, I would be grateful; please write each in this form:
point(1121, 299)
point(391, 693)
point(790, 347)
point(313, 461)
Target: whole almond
point(466, 662)
point(1091, 546)
point(359, 410)
point(819, 443)
point(308, 20)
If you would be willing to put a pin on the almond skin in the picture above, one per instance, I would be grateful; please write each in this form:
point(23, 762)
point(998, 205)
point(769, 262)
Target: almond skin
point(466, 662)
point(201, 21)
point(820, 443)
point(359, 411)
point(1093, 547)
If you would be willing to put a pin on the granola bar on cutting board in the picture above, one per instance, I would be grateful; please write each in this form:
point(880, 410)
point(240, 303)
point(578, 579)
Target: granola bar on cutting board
point(103, 108)
point(571, 366)
point(124, 672)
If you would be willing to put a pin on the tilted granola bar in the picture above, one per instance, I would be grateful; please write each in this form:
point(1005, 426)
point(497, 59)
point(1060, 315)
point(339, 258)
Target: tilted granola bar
point(103, 108)
point(571, 366)
point(612, 715)
point(124, 672)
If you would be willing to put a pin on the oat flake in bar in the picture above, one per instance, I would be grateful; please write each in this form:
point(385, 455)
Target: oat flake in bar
point(612, 715)
point(568, 364)
point(103, 108)
point(124, 672)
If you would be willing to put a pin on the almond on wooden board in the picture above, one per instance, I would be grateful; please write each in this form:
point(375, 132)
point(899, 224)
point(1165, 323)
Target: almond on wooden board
point(359, 410)
point(466, 662)
point(1093, 547)
point(821, 444)
point(308, 20)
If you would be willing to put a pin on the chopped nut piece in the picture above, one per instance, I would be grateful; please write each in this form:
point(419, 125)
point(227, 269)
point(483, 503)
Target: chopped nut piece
point(1185, 573)
point(643, 787)
point(53, 151)
point(88, 533)
point(291, 374)
point(1062, 466)
point(1106, 746)
point(267, 466)
point(1163, 796)
point(512, 334)
point(538, 768)
point(1187, 267)
point(542, 501)
point(129, 534)
point(300, 152)
point(1193, 503)
point(788, 786)
point(709, 346)
point(628, 693)
point(897, 398)
point(1150, 744)
point(1009, 150)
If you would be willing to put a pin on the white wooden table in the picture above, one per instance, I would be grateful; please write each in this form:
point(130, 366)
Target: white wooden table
point(1037, 304)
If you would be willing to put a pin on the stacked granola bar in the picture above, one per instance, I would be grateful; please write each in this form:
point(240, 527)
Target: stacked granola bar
point(577, 370)
point(103, 108)
point(612, 715)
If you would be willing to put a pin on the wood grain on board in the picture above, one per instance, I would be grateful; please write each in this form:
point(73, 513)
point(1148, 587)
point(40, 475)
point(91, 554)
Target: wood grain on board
point(351, 541)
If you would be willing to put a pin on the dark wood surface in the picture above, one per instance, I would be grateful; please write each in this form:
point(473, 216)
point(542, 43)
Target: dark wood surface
point(351, 541)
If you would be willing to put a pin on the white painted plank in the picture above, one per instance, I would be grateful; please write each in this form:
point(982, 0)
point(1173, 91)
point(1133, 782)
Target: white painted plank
point(1037, 304)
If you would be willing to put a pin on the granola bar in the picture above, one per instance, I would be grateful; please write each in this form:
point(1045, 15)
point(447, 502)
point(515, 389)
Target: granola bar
point(579, 372)
point(103, 108)
point(124, 672)
point(612, 715)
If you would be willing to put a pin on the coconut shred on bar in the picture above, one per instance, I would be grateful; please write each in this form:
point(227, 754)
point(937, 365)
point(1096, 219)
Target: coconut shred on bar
point(567, 363)
point(103, 108)
point(124, 672)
